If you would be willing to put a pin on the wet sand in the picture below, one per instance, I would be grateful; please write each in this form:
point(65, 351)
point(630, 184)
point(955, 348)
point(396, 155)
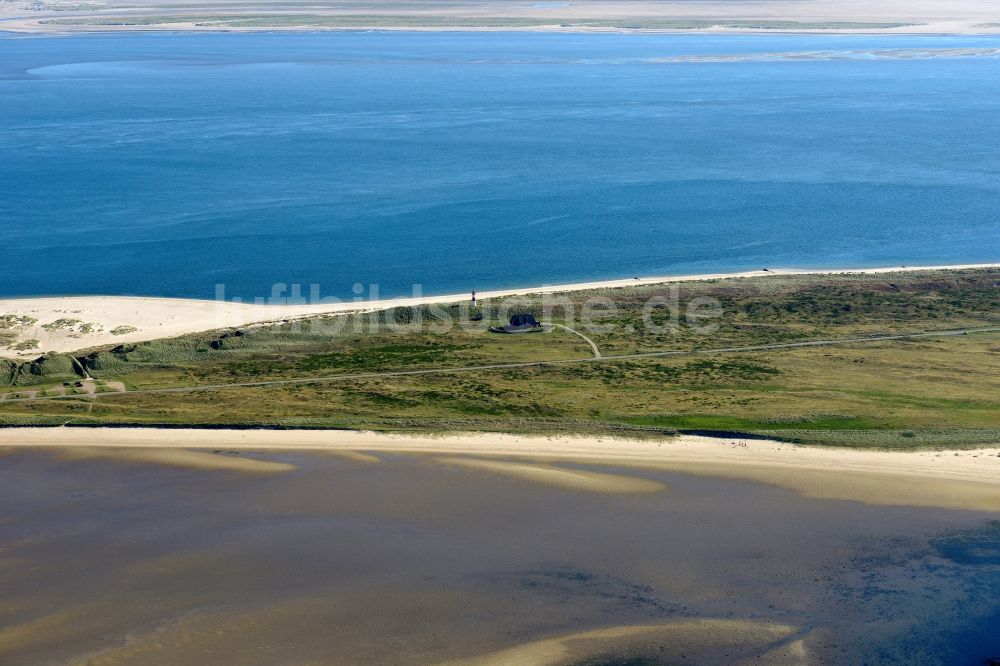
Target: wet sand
point(378, 556)
point(946, 479)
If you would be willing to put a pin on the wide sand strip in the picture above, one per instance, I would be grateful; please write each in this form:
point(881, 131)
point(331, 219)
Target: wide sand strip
point(949, 479)
point(92, 321)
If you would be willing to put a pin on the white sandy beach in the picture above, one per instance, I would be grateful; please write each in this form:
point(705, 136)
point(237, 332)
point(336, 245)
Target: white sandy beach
point(951, 479)
point(982, 465)
point(153, 318)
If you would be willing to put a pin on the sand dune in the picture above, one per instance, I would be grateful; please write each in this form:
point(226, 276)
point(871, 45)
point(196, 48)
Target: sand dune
point(110, 320)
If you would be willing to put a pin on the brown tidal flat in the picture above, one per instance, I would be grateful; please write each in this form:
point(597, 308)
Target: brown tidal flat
point(121, 558)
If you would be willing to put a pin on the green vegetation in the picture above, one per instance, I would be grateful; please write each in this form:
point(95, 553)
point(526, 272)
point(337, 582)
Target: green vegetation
point(74, 325)
point(48, 368)
point(9, 321)
point(10, 326)
point(912, 393)
point(59, 324)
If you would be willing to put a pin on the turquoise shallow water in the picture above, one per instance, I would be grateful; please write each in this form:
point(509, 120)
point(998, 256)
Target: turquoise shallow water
point(164, 164)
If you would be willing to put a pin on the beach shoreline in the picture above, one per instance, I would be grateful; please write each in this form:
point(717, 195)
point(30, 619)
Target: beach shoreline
point(967, 479)
point(964, 464)
point(129, 319)
point(34, 27)
point(709, 17)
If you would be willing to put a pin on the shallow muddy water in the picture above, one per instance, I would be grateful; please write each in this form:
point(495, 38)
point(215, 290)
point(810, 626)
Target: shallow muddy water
point(415, 559)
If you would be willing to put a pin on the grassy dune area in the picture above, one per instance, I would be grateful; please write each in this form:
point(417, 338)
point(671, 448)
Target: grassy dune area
point(911, 393)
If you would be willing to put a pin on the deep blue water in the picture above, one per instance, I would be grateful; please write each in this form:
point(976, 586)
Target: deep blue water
point(164, 164)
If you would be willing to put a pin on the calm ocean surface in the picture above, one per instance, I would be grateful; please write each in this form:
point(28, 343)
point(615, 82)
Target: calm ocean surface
point(163, 164)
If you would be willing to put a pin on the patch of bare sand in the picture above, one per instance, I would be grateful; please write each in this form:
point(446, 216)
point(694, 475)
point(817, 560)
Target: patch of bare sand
point(691, 640)
point(572, 479)
point(177, 458)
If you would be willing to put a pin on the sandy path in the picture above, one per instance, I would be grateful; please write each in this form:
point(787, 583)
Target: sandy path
point(151, 318)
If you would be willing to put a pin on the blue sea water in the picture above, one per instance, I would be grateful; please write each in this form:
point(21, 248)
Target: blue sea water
point(164, 164)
